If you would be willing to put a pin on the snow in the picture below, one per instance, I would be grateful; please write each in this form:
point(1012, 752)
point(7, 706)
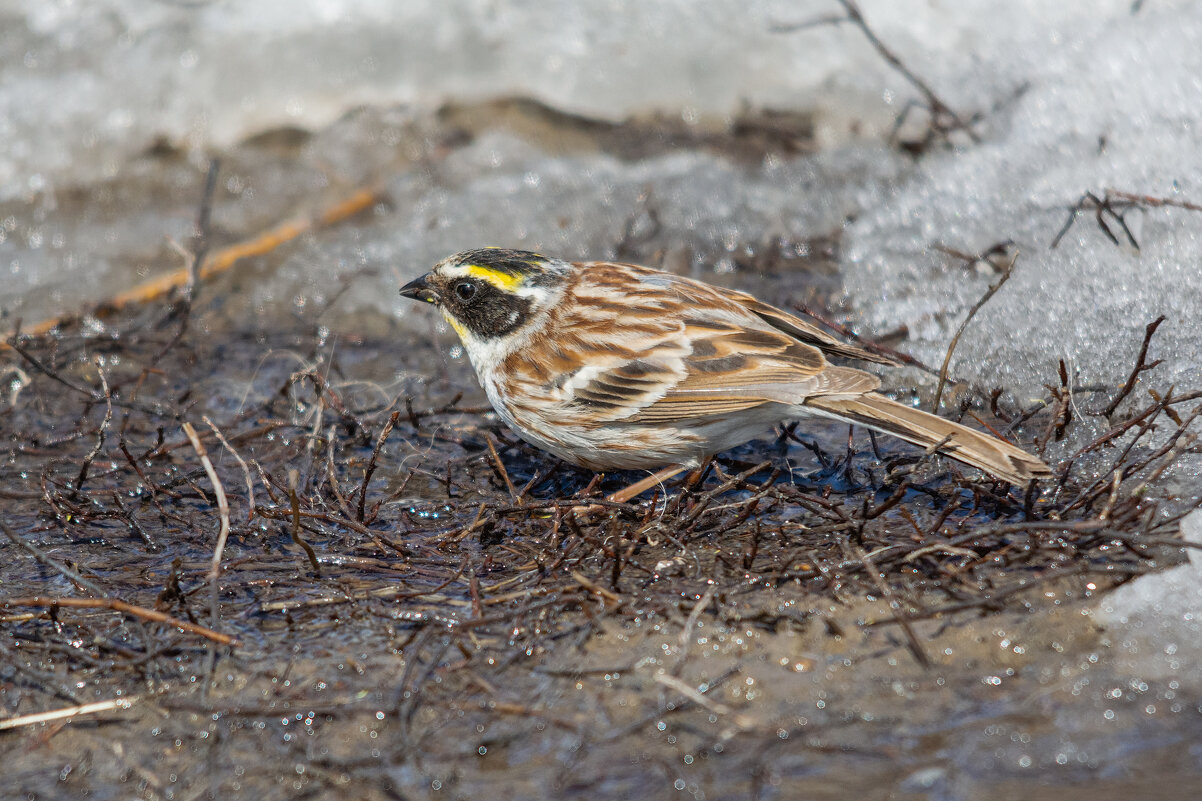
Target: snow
point(1156, 622)
point(1118, 108)
point(85, 84)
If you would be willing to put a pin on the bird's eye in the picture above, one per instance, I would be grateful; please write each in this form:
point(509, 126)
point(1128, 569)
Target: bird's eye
point(465, 291)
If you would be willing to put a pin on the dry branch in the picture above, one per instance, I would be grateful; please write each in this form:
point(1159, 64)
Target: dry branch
point(951, 348)
point(222, 260)
point(115, 605)
point(66, 713)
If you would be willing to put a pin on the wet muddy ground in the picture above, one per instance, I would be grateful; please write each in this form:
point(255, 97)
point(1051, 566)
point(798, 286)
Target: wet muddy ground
point(407, 604)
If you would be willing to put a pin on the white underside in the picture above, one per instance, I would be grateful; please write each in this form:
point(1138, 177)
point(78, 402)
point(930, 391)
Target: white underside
point(687, 443)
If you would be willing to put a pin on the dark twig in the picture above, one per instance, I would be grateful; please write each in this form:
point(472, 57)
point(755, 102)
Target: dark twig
point(100, 434)
point(294, 500)
point(133, 523)
point(1153, 202)
point(54, 564)
point(121, 606)
point(992, 257)
point(1101, 207)
point(901, 614)
point(97, 397)
point(947, 358)
point(944, 118)
point(1115, 204)
point(1140, 366)
point(202, 236)
point(195, 260)
point(371, 463)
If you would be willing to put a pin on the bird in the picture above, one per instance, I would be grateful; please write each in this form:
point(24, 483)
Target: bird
point(614, 366)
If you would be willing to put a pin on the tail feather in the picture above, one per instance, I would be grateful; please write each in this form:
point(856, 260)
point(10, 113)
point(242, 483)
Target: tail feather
point(989, 453)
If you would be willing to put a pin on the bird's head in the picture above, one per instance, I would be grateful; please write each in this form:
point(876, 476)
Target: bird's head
point(489, 293)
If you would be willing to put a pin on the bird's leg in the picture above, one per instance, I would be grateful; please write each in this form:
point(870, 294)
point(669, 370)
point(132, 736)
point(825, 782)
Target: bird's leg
point(593, 482)
point(847, 476)
point(625, 494)
point(693, 480)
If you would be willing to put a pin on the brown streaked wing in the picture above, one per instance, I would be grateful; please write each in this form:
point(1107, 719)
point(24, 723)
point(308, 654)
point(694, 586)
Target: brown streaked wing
point(615, 275)
point(745, 357)
point(731, 369)
point(632, 364)
point(631, 385)
point(699, 351)
point(803, 331)
point(675, 408)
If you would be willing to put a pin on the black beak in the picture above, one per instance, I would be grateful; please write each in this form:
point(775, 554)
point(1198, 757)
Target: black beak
point(420, 289)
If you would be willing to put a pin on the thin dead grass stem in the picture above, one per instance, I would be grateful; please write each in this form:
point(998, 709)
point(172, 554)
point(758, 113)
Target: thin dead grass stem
point(67, 713)
point(115, 605)
point(294, 501)
point(72, 575)
point(222, 260)
point(371, 463)
point(223, 511)
point(250, 487)
point(951, 348)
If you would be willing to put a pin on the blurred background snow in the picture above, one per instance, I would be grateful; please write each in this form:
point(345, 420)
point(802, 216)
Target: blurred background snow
point(88, 83)
point(1072, 96)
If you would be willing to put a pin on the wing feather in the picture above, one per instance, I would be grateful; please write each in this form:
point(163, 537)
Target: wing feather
point(685, 351)
point(806, 332)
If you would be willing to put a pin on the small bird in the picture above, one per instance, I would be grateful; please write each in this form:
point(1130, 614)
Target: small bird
point(616, 366)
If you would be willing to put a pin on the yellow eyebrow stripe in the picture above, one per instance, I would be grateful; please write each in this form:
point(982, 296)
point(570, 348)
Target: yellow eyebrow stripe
point(499, 279)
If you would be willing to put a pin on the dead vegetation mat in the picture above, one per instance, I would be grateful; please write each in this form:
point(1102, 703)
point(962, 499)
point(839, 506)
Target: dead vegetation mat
point(216, 525)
